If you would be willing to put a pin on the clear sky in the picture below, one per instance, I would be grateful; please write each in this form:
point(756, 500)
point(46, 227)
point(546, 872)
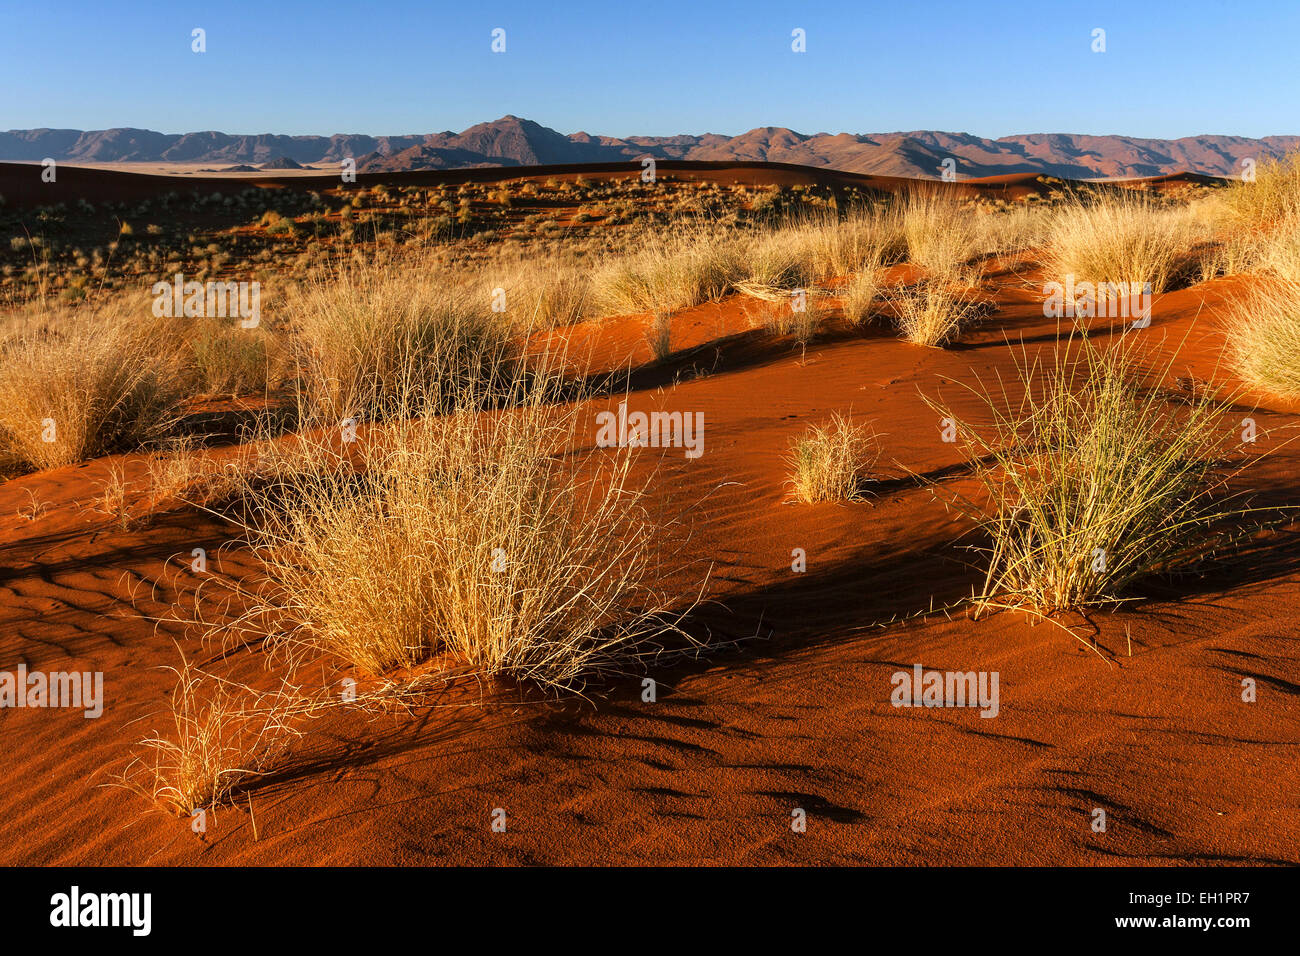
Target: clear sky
point(654, 67)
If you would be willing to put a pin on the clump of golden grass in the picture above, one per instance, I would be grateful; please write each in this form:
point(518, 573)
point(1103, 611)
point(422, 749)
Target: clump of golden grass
point(775, 265)
point(794, 315)
point(547, 294)
point(942, 234)
point(1233, 253)
point(114, 496)
point(933, 313)
point(1122, 237)
point(864, 240)
point(230, 360)
point(84, 385)
point(859, 295)
point(813, 248)
point(659, 335)
point(1011, 231)
point(830, 462)
point(485, 537)
point(1277, 251)
point(363, 330)
point(1263, 336)
point(668, 273)
point(1091, 481)
point(222, 736)
point(1272, 198)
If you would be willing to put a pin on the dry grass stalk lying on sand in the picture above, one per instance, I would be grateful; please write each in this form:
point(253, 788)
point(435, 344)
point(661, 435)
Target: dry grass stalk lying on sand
point(1091, 481)
point(830, 462)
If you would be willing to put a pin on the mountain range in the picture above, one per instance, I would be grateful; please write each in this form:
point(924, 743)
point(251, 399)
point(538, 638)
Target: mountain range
point(512, 141)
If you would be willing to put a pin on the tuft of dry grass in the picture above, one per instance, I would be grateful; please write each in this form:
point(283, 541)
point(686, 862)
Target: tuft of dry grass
point(933, 313)
point(1122, 237)
point(229, 360)
point(859, 295)
point(543, 294)
point(831, 461)
point(1090, 481)
point(659, 335)
point(487, 539)
point(1263, 336)
point(793, 316)
point(222, 736)
point(942, 234)
point(83, 385)
point(369, 336)
point(668, 273)
point(1273, 197)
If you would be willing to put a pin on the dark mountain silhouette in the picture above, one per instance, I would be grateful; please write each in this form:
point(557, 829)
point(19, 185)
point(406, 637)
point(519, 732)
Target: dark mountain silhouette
point(512, 141)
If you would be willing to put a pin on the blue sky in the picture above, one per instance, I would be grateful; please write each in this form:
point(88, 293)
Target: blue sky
point(654, 67)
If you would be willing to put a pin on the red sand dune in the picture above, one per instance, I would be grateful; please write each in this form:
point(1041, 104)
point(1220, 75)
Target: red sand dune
point(22, 186)
point(796, 715)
